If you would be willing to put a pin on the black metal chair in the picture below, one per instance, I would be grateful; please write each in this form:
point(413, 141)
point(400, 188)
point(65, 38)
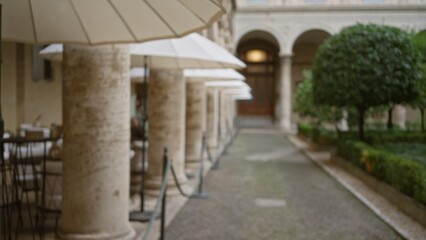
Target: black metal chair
point(9, 200)
point(50, 203)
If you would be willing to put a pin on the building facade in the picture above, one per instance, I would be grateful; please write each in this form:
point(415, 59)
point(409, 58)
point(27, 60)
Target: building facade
point(278, 39)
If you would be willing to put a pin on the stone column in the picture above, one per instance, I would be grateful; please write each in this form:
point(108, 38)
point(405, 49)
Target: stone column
point(283, 107)
point(229, 116)
point(212, 118)
point(222, 119)
point(195, 121)
point(232, 112)
point(96, 100)
point(166, 113)
point(399, 116)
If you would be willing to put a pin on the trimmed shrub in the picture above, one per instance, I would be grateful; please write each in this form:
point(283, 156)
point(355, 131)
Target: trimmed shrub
point(405, 175)
point(318, 135)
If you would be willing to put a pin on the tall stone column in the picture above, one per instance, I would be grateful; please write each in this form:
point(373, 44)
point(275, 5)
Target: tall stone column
point(399, 116)
point(212, 118)
point(96, 100)
point(195, 121)
point(232, 112)
point(166, 113)
point(229, 113)
point(283, 107)
point(222, 119)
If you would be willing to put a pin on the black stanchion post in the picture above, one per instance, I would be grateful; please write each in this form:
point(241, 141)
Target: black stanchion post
point(144, 138)
point(163, 202)
point(200, 193)
point(3, 218)
point(142, 215)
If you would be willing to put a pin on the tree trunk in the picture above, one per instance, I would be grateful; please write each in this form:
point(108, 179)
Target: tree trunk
point(422, 116)
point(361, 114)
point(390, 123)
point(336, 127)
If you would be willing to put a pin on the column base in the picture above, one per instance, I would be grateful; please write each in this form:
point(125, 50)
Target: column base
point(192, 162)
point(128, 234)
point(283, 125)
point(213, 151)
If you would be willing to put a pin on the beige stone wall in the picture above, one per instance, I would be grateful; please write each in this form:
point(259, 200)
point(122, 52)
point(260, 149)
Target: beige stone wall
point(23, 98)
point(43, 98)
point(8, 91)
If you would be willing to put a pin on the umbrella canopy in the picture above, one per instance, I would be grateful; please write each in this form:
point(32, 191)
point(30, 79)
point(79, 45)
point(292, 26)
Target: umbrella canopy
point(137, 73)
point(242, 97)
point(213, 74)
point(102, 21)
point(237, 90)
point(191, 51)
point(228, 84)
point(53, 52)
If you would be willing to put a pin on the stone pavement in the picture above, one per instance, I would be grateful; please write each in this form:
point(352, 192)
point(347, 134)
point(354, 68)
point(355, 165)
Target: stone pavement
point(265, 188)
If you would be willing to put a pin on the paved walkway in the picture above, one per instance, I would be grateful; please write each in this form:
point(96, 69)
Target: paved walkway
point(266, 189)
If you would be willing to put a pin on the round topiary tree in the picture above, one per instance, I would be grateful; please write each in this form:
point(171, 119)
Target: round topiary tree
point(365, 66)
point(420, 102)
point(306, 106)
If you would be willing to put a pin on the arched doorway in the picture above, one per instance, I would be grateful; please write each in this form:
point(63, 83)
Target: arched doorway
point(259, 50)
point(304, 50)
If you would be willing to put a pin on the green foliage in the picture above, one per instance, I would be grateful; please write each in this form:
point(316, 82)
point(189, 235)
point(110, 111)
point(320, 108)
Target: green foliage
point(404, 174)
point(316, 134)
point(420, 102)
point(397, 157)
point(382, 137)
point(365, 66)
point(411, 150)
point(306, 107)
point(420, 42)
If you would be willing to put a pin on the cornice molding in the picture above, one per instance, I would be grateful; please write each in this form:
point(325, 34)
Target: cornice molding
point(324, 8)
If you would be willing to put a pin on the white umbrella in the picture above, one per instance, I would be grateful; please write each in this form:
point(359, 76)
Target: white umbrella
point(137, 74)
point(104, 21)
point(228, 84)
point(242, 97)
point(236, 90)
point(53, 52)
point(191, 51)
point(213, 74)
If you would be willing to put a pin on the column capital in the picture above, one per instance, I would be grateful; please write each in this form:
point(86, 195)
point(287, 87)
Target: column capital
point(286, 56)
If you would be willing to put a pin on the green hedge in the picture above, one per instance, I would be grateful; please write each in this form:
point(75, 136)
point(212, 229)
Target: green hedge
point(405, 175)
point(380, 137)
point(318, 135)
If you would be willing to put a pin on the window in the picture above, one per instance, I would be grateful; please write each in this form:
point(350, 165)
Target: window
point(257, 2)
point(315, 1)
point(41, 69)
point(256, 55)
point(373, 1)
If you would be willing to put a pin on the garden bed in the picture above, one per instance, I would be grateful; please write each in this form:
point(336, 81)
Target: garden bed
point(411, 150)
point(397, 158)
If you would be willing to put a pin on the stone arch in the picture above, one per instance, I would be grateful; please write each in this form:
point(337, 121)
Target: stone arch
point(295, 35)
point(244, 31)
point(304, 49)
point(261, 72)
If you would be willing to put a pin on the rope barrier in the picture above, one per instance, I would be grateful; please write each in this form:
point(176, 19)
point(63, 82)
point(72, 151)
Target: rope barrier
point(161, 198)
point(199, 178)
point(178, 184)
point(168, 167)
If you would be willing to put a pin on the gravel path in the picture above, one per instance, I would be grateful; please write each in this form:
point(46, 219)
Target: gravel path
point(266, 189)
